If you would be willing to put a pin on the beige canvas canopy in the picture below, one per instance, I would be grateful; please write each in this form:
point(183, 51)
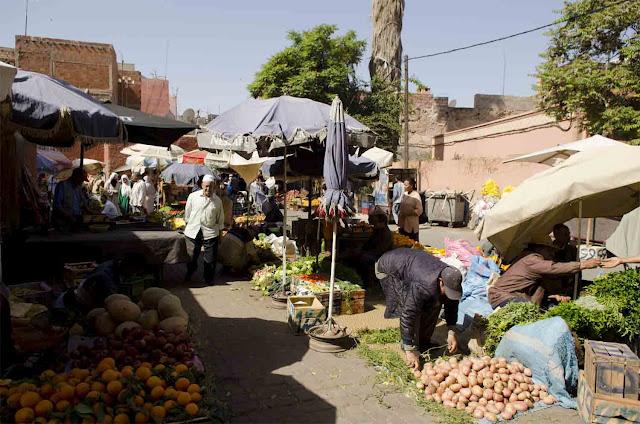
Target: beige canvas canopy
point(605, 182)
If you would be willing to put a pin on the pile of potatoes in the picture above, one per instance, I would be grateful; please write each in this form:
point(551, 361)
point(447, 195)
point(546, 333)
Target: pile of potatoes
point(158, 308)
point(484, 387)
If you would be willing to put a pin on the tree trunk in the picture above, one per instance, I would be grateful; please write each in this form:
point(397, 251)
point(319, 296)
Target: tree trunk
point(386, 44)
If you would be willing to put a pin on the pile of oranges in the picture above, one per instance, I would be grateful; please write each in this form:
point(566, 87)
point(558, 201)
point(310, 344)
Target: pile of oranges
point(108, 395)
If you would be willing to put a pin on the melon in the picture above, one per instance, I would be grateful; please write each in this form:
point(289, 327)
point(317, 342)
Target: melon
point(94, 313)
point(123, 310)
point(149, 319)
point(116, 296)
point(173, 325)
point(151, 297)
point(104, 324)
point(169, 306)
point(127, 325)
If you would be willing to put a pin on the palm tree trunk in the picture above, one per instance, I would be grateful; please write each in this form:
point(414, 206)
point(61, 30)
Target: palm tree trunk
point(386, 44)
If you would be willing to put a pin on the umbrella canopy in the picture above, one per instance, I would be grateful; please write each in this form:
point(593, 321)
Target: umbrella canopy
point(283, 120)
point(92, 166)
point(605, 181)
point(150, 129)
point(185, 173)
point(155, 152)
point(51, 112)
point(248, 169)
point(336, 164)
point(141, 163)
point(625, 240)
point(52, 161)
point(383, 158)
point(359, 168)
point(554, 155)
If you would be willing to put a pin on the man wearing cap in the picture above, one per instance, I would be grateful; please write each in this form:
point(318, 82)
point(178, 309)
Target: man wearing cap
point(416, 285)
point(204, 216)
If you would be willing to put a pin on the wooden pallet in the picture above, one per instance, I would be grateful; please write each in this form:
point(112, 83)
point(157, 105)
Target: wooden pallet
point(611, 369)
point(604, 409)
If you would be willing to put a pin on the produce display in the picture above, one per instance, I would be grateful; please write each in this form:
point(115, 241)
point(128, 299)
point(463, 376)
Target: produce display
point(268, 279)
point(400, 240)
point(486, 387)
point(248, 219)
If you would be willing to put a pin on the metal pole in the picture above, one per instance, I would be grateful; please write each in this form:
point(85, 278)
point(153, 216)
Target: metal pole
point(26, 16)
point(284, 227)
point(81, 155)
point(406, 111)
point(333, 269)
point(578, 275)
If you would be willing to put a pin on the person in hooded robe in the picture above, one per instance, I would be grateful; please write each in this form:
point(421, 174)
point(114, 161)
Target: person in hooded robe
point(124, 195)
point(149, 195)
point(137, 194)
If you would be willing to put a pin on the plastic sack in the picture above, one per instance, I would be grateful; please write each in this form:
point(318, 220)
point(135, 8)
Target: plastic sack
point(474, 298)
point(456, 263)
point(276, 247)
point(462, 249)
point(547, 348)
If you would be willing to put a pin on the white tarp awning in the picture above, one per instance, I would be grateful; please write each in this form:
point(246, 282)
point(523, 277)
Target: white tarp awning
point(382, 158)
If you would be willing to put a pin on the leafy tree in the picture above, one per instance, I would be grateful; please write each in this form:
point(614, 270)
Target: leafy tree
point(380, 110)
point(317, 65)
point(592, 67)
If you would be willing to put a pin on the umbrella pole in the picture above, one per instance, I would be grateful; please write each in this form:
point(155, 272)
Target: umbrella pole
point(333, 270)
point(284, 227)
point(81, 155)
point(578, 275)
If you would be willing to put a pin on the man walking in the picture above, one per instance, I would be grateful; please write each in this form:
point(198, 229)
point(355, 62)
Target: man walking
point(204, 216)
point(398, 190)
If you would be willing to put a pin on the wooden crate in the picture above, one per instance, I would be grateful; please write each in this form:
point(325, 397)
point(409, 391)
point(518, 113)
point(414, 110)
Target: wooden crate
point(611, 369)
point(605, 409)
point(304, 312)
point(353, 302)
point(75, 272)
point(337, 301)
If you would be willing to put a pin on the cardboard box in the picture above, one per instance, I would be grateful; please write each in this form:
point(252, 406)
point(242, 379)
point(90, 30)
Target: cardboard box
point(304, 312)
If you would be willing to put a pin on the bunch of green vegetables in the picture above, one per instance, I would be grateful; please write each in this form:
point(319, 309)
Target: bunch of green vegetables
point(503, 319)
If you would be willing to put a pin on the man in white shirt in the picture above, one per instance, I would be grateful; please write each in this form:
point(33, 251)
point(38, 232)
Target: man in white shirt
point(138, 192)
point(398, 190)
point(204, 216)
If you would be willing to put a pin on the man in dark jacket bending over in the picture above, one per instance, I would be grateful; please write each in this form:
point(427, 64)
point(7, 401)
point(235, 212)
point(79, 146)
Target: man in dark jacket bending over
point(416, 285)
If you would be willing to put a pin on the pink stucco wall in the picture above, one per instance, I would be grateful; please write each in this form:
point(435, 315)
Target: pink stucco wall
point(472, 155)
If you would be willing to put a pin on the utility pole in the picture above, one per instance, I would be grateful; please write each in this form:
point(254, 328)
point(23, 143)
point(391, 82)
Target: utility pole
point(406, 111)
point(26, 16)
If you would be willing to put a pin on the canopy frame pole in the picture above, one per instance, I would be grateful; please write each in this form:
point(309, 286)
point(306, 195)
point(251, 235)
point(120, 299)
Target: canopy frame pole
point(81, 155)
point(284, 227)
point(578, 275)
point(332, 280)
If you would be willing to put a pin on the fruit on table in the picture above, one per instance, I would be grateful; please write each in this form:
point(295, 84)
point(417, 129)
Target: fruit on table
point(104, 324)
point(173, 324)
point(123, 310)
point(152, 295)
point(127, 325)
point(149, 319)
point(116, 296)
point(170, 306)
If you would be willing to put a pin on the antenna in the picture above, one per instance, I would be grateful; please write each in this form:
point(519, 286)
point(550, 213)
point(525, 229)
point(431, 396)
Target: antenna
point(504, 69)
point(166, 60)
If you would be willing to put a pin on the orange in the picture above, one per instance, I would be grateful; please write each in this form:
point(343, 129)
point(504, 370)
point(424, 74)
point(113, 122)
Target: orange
point(40, 420)
point(159, 368)
point(147, 406)
point(114, 387)
point(138, 400)
point(182, 384)
point(46, 375)
point(170, 404)
point(108, 419)
point(141, 418)
point(62, 405)
point(153, 381)
point(174, 374)
point(191, 409)
point(171, 393)
point(82, 389)
point(193, 388)
point(183, 398)
point(88, 420)
point(196, 397)
point(127, 372)
point(146, 364)
point(121, 419)
point(55, 398)
point(180, 368)
point(65, 391)
point(29, 399)
point(108, 399)
point(158, 413)
point(92, 396)
point(14, 400)
point(106, 364)
point(59, 378)
point(143, 373)
point(97, 386)
point(24, 415)
point(44, 408)
point(109, 375)
point(157, 392)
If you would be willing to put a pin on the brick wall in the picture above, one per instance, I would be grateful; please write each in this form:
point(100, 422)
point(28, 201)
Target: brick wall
point(130, 88)
point(90, 66)
point(8, 55)
point(155, 96)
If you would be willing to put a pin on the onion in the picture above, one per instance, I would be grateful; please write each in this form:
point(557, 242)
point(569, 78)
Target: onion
point(490, 416)
point(420, 385)
point(520, 406)
point(488, 394)
point(527, 372)
point(549, 400)
point(478, 413)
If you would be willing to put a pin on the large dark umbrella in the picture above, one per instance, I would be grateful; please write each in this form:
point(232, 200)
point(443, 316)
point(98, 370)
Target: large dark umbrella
point(360, 168)
point(145, 128)
point(185, 173)
point(52, 112)
point(336, 203)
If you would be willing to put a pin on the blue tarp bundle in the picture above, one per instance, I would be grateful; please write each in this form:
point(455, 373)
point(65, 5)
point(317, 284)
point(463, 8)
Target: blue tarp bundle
point(474, 289)
point(547, 347)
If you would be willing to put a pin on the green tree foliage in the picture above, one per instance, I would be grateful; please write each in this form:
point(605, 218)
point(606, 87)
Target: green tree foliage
point(318, 64)
point(592, 67)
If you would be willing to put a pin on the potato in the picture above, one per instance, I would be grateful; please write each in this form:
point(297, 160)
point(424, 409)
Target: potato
point(549, 400)
point(448, 404)
point(498, 397)
point(505, 415)
point(482, 401)
point(488, 394)
point(461, 406)
point(487, 383)
point(490, 416)
point(420, 385)
point(479, 413)
point(523, 396)
point(437, 398)
point(477, 390)
point(528, 372)
point(520, 406)
point(492, 408)
point(94, 313)
point(500, 406)
point(466, 392)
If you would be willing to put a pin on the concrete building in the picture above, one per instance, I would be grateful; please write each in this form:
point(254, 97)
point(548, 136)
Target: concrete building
point(464, 159)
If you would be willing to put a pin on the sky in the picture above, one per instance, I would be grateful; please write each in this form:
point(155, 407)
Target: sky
point(211, 49)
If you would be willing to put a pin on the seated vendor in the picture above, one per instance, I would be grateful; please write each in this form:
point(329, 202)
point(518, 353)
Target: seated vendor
point(69, 201)
point(522, 282)
point(380, 242)
point(110, 209)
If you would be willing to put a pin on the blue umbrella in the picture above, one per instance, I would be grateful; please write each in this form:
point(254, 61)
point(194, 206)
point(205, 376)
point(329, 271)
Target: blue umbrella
point(51, 112)
point(185, 173)
point(336, 203)
point(360, 167)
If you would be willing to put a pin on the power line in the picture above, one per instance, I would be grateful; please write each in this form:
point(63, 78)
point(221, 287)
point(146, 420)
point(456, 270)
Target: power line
point(528, 31)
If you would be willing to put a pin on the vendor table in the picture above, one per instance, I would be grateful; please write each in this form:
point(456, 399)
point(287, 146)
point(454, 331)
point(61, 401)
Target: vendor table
point(158, 247)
